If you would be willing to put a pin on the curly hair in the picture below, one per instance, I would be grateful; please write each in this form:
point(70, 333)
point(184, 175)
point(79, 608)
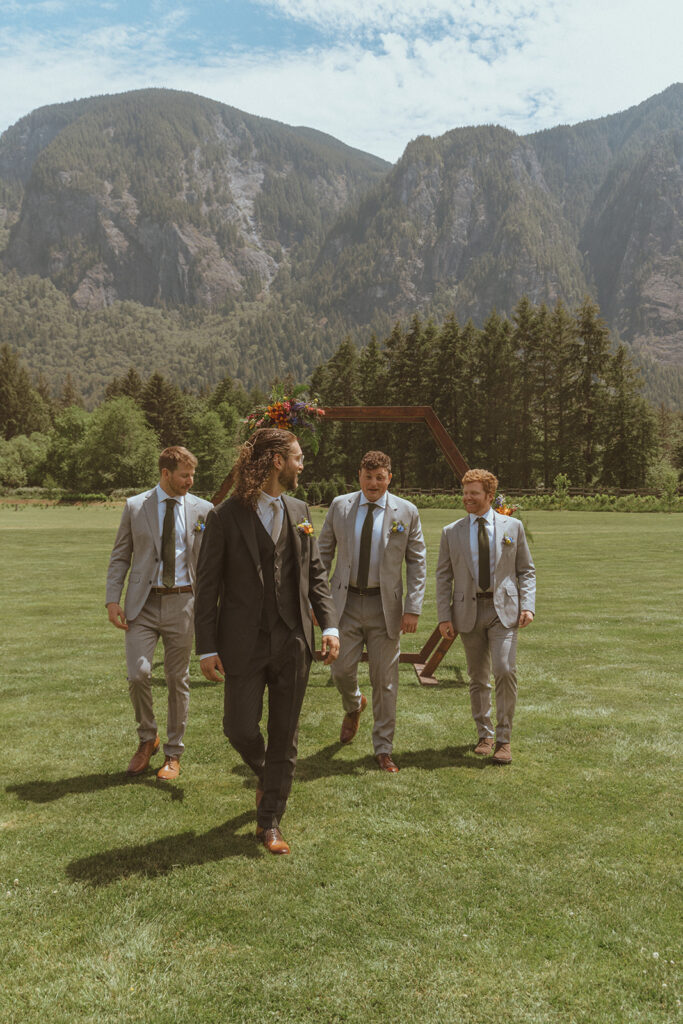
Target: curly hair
point(376, 460)
point(255, 461)
point(482, 476)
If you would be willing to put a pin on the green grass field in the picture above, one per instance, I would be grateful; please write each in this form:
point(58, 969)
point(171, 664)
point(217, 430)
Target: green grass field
point(455, 891)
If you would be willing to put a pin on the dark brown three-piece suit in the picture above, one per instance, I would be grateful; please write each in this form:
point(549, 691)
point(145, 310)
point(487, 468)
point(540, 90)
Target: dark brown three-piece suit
point(253, 607)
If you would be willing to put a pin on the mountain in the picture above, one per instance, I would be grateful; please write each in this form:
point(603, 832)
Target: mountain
point(263, 245)
point(474, 219)
point(167, 198)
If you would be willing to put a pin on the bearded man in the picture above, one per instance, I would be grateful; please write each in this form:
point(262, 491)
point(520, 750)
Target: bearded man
point(258, 576)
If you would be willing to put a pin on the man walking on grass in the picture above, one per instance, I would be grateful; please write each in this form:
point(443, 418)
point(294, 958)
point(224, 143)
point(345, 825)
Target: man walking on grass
point(486, 590)
point(374, 534)
point(259, 575)
point(158, 541)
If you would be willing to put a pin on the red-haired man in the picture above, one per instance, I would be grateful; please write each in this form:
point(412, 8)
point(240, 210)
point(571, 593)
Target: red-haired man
point(485, 590)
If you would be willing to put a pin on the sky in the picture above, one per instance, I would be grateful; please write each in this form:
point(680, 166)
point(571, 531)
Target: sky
point(373, 73)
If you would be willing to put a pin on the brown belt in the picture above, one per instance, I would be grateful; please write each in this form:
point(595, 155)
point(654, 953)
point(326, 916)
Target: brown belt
point(485, 596)
point(365, 591)
point(171, 590)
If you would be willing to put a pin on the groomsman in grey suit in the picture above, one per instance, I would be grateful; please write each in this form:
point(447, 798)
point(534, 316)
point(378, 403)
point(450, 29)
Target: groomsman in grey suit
point(374, 533)
point(486, 590)
point(158, 541)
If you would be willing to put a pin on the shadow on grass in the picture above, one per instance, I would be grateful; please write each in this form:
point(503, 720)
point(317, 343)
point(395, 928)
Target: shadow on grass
point(40, 791)
point(165, 855)
point(322, 764)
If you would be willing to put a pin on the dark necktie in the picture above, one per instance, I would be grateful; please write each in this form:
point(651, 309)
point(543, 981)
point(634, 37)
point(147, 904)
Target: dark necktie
point(484, 556)
point(365, 545)
point(168, 545)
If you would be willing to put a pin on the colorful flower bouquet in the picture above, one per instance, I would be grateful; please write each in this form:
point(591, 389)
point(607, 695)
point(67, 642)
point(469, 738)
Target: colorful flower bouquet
point(293, 412)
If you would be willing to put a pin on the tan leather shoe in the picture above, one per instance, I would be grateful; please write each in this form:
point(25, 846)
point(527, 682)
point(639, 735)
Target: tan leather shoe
point(349, 726)
point(502, 754)
point(272, 839)
point(170, 769)
point(485, 746)
point(385, 763)
point(142, 756)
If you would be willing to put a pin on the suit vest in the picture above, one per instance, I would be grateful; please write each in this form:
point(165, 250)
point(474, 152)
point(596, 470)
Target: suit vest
point(280, 579)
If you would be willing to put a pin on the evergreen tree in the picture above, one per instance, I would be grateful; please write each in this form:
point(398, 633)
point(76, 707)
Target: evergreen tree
point(593, 354)
point(164, 409)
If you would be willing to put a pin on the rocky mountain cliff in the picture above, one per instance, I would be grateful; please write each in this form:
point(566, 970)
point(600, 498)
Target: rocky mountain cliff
point(474, 219)
point(170, 200)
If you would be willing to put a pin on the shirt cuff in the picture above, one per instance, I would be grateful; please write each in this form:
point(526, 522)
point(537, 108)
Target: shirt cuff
point(211, 654)
point(331, 631)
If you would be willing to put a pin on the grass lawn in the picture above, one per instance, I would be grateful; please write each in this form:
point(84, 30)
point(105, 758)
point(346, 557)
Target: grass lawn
point(452, 892)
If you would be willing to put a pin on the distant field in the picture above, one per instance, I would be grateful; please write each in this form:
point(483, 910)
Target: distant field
point(453, 892)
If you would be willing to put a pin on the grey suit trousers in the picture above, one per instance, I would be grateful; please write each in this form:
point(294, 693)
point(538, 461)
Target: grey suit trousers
point(491, 646)
point(171, 618)
point(363, 622)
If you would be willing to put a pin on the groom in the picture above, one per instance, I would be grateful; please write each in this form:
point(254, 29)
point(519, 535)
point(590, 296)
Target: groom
point(259, 573)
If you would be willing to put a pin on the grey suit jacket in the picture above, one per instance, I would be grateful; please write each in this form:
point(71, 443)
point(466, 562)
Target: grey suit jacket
point(514, 574)
point(138, 547)
point(339, 532)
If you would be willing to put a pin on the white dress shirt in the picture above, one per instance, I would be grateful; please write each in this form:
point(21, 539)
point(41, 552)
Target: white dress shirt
point(375, 544)
point(474, 542)
point(182, 572)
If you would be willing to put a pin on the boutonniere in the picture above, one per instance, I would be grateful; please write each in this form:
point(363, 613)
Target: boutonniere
point(398, 527)
point(305, 527)
point(200, 525)
point(507, 540)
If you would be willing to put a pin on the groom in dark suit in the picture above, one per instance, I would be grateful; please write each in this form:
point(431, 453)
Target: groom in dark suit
point(258, 575)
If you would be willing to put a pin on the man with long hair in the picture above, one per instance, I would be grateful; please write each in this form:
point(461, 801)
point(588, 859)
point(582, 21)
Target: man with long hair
point(258, 576)
point(158, 540)
point(486, 591)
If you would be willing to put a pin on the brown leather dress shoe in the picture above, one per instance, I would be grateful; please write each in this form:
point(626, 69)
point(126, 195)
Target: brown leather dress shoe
point(502, 754)
point(385, 763)
point(272, 839)
point(142, 756)
point(485, 746)
point(170, 769)
point(349, 726)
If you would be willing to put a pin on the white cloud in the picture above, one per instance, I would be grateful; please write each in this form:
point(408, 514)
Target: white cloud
point(550, 65)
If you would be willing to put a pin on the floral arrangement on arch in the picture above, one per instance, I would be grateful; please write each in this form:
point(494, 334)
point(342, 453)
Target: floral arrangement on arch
point(295, 412)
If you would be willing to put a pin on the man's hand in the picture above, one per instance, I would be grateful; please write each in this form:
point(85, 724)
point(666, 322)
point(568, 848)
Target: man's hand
point(116, 616)
point(525, 619)
point(446, 630)
point(212, 669)
point(409, 623)
point(330, 649)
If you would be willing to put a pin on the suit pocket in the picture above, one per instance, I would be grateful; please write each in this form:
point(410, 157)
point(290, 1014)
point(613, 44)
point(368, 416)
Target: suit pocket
point(458, 595)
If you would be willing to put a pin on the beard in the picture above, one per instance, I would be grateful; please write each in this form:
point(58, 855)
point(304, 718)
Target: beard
point(287, 478)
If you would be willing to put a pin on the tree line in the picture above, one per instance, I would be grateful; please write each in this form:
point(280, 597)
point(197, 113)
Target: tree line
point(540, 394)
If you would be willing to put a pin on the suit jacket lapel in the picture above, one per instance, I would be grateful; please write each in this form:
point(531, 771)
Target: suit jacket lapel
point(390, 510)
point(499, 531)
point(151, 507)
point(245, 521)
point(350, 512)
point(464, 535)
